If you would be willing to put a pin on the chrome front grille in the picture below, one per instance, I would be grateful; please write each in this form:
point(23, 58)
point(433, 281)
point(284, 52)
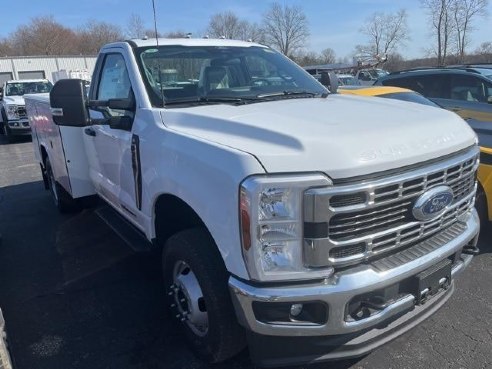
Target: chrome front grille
point(373, 217)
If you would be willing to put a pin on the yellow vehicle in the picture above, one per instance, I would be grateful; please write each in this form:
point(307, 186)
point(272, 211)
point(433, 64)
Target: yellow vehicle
point(484, 195)
point(483, 201)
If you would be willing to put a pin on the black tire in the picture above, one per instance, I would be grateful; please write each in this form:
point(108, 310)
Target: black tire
point(481, 206)
point(4, 120)
point(224, 337)
point(63, 201)
point(6, 129)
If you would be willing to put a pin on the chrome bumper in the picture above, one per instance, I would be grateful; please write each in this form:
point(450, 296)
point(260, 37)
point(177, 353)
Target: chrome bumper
point(337, 291)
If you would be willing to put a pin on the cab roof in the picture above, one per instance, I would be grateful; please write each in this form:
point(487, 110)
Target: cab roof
point(187, 42)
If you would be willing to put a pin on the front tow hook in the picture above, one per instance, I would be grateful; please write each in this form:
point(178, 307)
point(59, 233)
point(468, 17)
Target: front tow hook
point(471, 250)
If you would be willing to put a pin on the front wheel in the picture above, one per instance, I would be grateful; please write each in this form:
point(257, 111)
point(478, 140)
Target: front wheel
point(196, 282)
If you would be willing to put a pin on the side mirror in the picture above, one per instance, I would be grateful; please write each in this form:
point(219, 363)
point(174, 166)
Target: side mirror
point(329, 80)
point(489, 99)
point(68, 103)
point(333, 82)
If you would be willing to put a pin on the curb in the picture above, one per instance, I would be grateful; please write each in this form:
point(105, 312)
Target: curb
point(5, 362)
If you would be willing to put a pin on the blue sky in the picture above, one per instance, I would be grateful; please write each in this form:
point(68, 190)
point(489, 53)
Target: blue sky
point(333, 23)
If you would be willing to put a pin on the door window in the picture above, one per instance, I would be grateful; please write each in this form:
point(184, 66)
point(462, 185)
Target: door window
point(469, 88)
point(429, 85)
point(114, 83)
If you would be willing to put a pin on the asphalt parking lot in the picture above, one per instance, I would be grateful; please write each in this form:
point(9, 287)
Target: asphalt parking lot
point(74, 296)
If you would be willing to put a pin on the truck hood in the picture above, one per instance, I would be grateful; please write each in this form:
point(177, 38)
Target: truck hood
point(13, 100)
point(343, 136)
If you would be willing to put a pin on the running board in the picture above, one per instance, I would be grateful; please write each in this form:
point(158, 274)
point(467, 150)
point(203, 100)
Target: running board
point(132, 236)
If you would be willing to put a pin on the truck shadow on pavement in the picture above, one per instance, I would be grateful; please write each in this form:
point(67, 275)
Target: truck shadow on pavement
point(75, 296)
point(485, 239)
point(18, 139)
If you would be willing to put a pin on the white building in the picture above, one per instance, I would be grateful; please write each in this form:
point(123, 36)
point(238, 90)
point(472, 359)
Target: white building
point(27, 67)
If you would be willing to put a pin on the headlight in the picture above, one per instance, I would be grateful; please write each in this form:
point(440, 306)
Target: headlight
point(271, 216)
point(12, 112)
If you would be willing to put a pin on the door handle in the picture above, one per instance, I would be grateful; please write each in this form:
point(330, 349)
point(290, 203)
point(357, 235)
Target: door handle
point(90, 132)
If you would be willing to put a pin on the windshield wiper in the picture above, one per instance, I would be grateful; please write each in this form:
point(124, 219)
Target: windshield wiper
point(219, 99)
point(211, 100)
point(289, 93)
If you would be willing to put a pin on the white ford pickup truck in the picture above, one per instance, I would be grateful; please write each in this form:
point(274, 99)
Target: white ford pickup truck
point(311, 226)
point(13, 118)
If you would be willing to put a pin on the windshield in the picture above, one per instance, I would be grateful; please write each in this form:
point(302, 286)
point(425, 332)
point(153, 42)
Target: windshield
point(410, 97)
point(214, 74)
point(21, 88)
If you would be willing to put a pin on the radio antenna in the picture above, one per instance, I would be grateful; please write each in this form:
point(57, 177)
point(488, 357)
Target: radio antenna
point(159, 59)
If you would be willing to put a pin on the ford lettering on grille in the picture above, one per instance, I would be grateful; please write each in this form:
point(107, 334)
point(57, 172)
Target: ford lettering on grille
point(432, 203)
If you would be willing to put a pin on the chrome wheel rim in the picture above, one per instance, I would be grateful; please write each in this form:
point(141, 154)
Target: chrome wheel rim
point(187, 300)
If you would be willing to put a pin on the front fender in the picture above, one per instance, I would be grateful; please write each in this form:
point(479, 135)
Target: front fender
point(204, 175)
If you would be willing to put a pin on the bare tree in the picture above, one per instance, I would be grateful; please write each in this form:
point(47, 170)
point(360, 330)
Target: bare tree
point(442, 25)
point(327, 56)
point(135, 26)
point(94, 35)
point(43, 35)
point(255, 33)
point(485, 48)
point(386, 32)
point(227, 25)
point(286, 28)
point(5, 47)
point(304, 58)
point(394, 63)
point(484, 53)
point(464, 13)
point(175, 34)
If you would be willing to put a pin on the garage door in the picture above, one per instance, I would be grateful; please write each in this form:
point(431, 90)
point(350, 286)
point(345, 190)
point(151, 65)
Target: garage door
point(31, 74)
point(5, 76)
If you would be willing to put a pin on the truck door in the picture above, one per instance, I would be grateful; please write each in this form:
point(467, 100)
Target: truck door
point(109, 149)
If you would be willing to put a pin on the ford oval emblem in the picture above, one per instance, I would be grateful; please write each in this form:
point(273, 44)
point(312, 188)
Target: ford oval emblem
point(433, 203)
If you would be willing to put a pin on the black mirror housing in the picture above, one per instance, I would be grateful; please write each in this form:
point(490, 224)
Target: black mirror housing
point(68, 103)
point(122, 104)
point(333, 82)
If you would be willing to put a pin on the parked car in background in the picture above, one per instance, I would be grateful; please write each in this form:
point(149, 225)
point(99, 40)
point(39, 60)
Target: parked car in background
point(397, 93)
point(347, 80)
point(466, 91)
point(13, 117)
point(483, 69)
point(369, 76)
point(483, 201)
